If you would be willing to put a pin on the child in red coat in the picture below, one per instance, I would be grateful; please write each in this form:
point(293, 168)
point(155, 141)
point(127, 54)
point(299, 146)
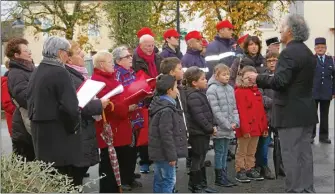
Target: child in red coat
point(253, 124)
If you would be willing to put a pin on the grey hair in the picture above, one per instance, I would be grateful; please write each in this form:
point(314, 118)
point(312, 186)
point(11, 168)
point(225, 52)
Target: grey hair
point(298, 26)
point(146, 37)
point(53, 44)
point(117, 52)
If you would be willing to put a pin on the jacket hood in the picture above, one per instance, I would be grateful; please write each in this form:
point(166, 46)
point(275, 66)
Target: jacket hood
point(239, 83)
point(158, 104)
point(213, 81)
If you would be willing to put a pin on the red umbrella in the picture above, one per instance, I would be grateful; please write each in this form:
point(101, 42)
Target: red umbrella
point(107, 136)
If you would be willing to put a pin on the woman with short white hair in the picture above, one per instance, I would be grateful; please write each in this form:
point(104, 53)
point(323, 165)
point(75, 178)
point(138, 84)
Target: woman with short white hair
point(53, 109)
point(117, 116)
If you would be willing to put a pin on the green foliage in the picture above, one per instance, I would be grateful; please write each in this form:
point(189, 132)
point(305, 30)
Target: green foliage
point(126, 18)
point(19, 176)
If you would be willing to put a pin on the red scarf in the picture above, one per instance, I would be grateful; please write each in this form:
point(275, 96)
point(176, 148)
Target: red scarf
point(150, 60)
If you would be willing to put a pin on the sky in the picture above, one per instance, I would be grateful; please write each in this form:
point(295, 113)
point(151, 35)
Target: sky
point(6, 6)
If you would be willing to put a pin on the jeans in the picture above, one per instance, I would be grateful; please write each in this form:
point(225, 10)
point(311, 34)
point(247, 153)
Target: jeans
point(262, 151)
point(164, 177)
point(221, 152)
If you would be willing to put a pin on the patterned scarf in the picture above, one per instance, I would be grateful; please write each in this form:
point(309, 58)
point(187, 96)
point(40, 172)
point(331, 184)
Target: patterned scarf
point(81, 69)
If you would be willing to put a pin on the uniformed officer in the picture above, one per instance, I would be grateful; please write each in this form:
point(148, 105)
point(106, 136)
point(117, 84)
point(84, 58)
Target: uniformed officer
point(324, 87)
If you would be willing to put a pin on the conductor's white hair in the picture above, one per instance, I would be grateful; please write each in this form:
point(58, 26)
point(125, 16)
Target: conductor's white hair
point(101, 57)
point(298, 26)
point(146, 37)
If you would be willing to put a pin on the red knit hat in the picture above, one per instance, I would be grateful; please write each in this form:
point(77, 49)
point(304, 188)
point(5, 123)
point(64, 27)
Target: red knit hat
point(170, 33)
point(204, 42)
point(143, 31)
point(224, 24)
point(193, 34)
point(242, 38)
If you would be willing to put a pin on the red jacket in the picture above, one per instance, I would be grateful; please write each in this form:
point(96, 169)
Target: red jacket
point(7, 104)
point(251, 111)
point(119, 118)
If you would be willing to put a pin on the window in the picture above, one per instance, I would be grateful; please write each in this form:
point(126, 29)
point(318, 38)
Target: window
point(297, 7)
point(46, 23)
point(93, 30)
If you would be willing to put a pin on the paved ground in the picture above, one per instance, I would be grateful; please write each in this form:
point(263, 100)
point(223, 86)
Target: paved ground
point(323, 170)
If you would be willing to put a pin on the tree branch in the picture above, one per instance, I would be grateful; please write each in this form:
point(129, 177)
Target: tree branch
point(217, 10)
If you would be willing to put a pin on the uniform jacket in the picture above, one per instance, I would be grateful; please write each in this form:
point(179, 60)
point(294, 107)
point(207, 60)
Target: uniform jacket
point(53, 109)
point(167, 132)
point(324, 79)
point(222, 100)
point(219, 51)
point(193, 58)
point(6, 103)
point(251, 110)
point(169, 52)
point(119, 117)
point(90, 155)
point(293, 104)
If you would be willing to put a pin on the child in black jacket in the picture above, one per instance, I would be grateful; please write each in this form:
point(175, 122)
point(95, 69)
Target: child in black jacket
point(167, 134)
point(200, 124)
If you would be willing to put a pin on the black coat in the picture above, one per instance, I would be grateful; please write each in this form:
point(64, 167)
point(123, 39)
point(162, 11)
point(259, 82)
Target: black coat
point(324, 79)
point(53, 109)
point(293, 105)
point(140, 64)
point(90, 155)
point(167, 132)
point(199, 117)
point(18, 78)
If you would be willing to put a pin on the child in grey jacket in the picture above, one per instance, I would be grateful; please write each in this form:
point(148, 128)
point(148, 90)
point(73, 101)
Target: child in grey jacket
point(221, 98)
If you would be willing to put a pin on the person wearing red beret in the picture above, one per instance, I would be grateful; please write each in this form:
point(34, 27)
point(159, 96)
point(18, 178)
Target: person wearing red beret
point(240, 44)
point(144, 31)
point(221, 50)
point(171, 45)
point(193, 55)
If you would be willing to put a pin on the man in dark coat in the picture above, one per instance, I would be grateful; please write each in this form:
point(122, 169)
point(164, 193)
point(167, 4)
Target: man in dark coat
point(294, 109)
point(324, 87)
point(171, 45)
point(193, 55)
point(221, 50)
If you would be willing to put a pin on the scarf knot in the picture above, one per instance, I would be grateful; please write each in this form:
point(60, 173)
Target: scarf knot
point(150, 60)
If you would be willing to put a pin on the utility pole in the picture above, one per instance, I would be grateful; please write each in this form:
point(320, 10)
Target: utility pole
point(178, 18)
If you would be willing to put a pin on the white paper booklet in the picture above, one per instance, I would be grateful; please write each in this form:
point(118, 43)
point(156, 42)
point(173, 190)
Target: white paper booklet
point(88, 91)
point(118, 90)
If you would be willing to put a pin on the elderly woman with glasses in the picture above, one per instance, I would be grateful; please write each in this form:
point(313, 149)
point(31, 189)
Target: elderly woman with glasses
point(117, 115)
point(127, 155)
point(53, 110)
point(78, 72)
point(20, 67)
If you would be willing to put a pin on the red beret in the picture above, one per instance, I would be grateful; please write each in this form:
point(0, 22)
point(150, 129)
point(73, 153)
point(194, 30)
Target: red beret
point(224, 24)
point(193, 34)
point(170, 33)
point(204, 42)
point(144, 31)
point(242, 38)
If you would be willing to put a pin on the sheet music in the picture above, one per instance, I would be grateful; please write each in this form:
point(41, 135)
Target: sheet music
point(118, 90)
point(88, 91)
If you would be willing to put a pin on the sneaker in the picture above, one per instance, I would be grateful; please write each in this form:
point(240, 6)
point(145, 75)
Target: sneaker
point(253, 174)
point(242, 177)
point(266, 172)
point(144, 169)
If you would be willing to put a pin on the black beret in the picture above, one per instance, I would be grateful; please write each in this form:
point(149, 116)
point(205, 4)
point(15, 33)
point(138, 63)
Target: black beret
point(273, 40)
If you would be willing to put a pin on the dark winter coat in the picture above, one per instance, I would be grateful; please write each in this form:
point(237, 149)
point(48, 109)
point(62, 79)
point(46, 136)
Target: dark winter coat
point(53, 109)
point(324, 79)
point(167, 132)
point(193, 58)
point(140, 64)
point(18, 79)
point(219, 51)
point(169, 52)
point(259, 62)
point(293, 104)
point(90, 155)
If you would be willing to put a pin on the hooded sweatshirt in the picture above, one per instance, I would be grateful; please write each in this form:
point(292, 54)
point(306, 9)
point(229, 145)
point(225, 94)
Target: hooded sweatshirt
point(251, 111)
point(221, 98)
point(167, 131)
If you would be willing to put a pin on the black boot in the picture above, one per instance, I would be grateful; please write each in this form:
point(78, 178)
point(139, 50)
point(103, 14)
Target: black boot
point(203, 182)
point(194, 183)
point(220, 180)
point(225, 177)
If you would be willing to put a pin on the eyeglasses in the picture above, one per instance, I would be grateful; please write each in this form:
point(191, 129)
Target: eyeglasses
point(127, 57)
point(272, 61)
